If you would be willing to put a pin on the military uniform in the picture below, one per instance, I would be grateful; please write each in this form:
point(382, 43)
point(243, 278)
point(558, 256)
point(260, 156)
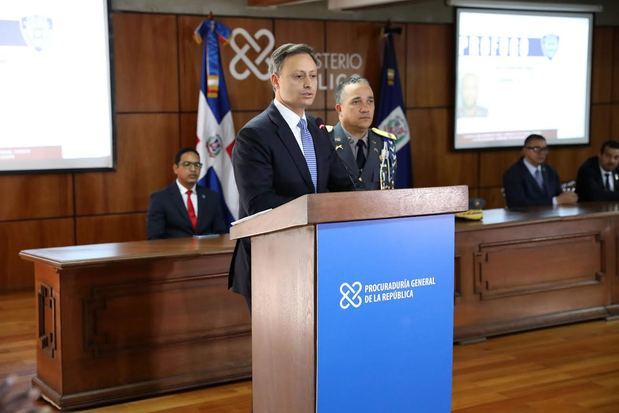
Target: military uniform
point(380, 166)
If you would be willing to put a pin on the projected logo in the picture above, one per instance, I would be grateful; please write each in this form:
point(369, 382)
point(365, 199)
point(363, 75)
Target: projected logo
point(214, 145)
point(37, 31)
point(351, 295)
point(241, 66)
point(550, 45)
point(396, 124)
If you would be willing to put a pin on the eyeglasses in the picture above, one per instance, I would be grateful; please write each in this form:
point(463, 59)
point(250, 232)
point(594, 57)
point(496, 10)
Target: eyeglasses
point(187, 164)
point(537, 149)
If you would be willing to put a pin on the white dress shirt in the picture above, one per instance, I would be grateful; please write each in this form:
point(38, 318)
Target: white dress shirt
point(194, 196)
point(611, 179)
point(292, 119)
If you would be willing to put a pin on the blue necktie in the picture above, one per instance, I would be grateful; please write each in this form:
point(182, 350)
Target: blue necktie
point(308, 151)
point(539, 178)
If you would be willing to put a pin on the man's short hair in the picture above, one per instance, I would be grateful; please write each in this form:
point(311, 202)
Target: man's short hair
point(289, 49)
point(183, 151)
point(350, 80)
point(532, 137)
point(611, 143)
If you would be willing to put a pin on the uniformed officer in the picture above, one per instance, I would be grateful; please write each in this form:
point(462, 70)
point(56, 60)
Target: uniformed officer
point(369, 154)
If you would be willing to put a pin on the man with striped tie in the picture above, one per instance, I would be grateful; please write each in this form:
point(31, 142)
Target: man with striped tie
point(282, 153)
point(531, 182)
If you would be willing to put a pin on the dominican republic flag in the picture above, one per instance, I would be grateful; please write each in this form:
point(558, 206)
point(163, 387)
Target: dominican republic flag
point(215, 133)
point(391, 116)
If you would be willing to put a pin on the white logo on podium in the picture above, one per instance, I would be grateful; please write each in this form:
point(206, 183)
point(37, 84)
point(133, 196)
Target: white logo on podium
point(251, 66)
point(350, 295)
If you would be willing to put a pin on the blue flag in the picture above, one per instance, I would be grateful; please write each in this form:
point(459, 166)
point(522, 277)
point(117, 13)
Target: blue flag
point(391, 116)
point(215, 129)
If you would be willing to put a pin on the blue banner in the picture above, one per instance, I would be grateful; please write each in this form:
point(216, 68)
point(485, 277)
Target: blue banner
point(385, 315)
point(391, 115)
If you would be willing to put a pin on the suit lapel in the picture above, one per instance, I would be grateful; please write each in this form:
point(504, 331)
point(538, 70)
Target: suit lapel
point(343, 149)
point(375, 146)
point(290, 143)
point(179, 203)
point(532, 182)
point(546, 179)
point(202, 209)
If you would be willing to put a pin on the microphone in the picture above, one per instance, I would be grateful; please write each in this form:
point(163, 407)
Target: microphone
point(321, 124)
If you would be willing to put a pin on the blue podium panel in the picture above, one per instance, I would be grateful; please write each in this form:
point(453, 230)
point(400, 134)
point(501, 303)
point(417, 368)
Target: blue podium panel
point(385, 315)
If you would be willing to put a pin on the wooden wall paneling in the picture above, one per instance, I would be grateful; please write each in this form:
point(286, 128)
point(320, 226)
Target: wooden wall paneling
point(430, 63)
point(567, 160)
point(146, 145)
point(614, 129)
point(615, 53)
point(250, 93)
point(493, 164)
point(331, 117)
point(493, 196)
point(110, 228)
point(311, 32)
point(601, 79)
point(15, 273)
point(190, 63)
point(434, 164)
point(36, 196)
point(367, 40)
point(601, 126)
point(145, 62)
point(188, 129)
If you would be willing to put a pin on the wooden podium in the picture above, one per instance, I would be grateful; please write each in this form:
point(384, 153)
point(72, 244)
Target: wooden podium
point(321, 343)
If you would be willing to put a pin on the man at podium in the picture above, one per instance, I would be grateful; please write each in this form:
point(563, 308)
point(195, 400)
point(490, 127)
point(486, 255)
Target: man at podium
point(282, 153)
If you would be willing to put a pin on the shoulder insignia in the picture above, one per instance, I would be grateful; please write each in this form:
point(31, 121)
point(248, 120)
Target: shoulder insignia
point(329, 128)
point(384, 134)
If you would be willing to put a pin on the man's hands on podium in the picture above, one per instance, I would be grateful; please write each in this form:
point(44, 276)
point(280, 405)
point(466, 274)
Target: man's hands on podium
point(568, 197)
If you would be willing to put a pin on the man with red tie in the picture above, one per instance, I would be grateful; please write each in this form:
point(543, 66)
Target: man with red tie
point(183, 209)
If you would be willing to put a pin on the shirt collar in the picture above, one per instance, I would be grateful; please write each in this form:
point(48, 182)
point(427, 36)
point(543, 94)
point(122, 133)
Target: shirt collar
point(363, 138)
point(532, 168)
point(291, 118)
point(183, 189)
point(604, 171)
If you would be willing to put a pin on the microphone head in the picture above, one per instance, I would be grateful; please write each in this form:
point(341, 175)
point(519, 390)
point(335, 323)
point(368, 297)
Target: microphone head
point(320, 123)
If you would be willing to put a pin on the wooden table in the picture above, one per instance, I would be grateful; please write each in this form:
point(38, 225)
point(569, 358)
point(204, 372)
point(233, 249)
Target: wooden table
point(136, 319)
point(127, 320)
point(518, 270)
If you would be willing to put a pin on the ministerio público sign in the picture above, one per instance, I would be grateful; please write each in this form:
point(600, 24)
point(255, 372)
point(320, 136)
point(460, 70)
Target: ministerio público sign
point(242, 66)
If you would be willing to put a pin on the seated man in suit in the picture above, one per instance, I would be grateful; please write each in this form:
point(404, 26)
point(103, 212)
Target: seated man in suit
point(529, 182)
point(183, 209)
point(598, 176)
point(368, 154)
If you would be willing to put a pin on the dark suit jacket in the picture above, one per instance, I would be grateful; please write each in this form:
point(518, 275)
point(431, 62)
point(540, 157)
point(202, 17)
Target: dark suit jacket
point(270, 170)
point(369, 177)
point(521, 190)
point(589, 184)
point(167, 214)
